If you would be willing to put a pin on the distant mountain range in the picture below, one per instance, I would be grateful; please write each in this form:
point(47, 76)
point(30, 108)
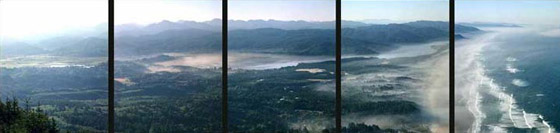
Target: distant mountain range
point(459, 37)
point(280, 37)
point(216, 25)
point(60, 46)
point(359, 38)
point(489, 24)
point(382, 21)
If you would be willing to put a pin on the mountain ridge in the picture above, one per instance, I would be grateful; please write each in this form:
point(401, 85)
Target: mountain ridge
point(356, 39)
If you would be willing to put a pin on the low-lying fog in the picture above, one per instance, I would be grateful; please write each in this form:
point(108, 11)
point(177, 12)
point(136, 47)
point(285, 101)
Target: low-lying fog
point(427, 67)
point(261, 61)
point(50, 61)
point(250, 61)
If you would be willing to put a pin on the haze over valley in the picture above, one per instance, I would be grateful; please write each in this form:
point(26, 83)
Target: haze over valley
point(281, 69)
point(149, 57)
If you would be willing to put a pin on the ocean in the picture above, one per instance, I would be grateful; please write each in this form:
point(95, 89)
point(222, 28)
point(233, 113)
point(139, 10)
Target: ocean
point(508, 80)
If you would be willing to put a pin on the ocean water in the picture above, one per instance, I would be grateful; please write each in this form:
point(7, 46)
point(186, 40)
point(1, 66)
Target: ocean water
point(509, 80)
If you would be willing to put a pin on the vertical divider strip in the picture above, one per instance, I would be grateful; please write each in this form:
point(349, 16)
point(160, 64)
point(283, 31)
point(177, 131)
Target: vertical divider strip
point(224, 67)
point(338, 67)
point(111, 68)
point(451, 66)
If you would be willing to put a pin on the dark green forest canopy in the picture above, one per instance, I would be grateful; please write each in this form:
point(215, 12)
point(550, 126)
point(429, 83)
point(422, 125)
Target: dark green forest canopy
point(14, 119)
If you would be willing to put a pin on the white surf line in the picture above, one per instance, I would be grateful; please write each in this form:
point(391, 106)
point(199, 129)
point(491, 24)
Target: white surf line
point(510, 108)
point(473, 69)
point(474, 127)
point(475, 108)
point(546, 124)
point(478, 115)
point(525, 117)
point(476, 104)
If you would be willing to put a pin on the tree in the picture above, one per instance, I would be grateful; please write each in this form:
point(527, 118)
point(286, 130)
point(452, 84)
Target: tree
point(15, 119)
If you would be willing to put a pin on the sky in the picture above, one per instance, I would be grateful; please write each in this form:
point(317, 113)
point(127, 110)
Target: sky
point(308, 10)
point(145, 12)
point(21, 18)
point(540, 12)
point(395, 10)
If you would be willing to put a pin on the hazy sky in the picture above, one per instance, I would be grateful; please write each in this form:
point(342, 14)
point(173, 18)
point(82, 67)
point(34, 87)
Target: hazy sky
point(309, 10)
point(19, 18)
point(512, 11)
point(398, 10)
point(152, 11)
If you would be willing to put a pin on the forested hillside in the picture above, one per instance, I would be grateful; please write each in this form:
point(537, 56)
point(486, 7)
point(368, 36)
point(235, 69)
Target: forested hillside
point(14, 119)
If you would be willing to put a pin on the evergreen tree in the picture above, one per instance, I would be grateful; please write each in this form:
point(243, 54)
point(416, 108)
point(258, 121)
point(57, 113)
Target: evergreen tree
point(14, 119)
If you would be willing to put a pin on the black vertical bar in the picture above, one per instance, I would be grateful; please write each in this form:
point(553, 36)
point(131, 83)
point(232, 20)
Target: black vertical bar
point(224, 67)
point(111, 67)
point(338, 67)
point(451, 66)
